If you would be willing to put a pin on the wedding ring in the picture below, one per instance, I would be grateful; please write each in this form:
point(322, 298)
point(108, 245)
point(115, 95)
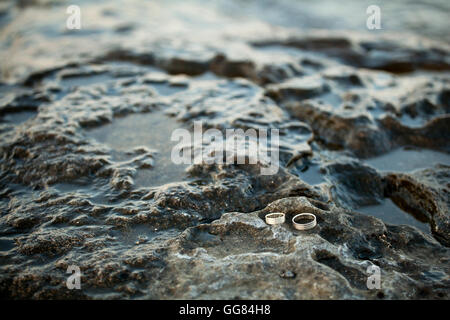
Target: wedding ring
point(304, 226)
point(275, 218)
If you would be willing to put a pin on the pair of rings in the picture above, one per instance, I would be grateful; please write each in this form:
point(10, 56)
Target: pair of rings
point(279, 218)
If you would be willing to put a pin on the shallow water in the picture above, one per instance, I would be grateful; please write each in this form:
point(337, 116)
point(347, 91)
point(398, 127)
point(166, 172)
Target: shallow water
point(143, 233)
point(94, 193)
point(391, 214)
point(403, 160)
point(310, 174)
point(408, 159)
point(165, 89)
point(152, 130)
point(107, 197)
point(18, 117)
point(82, 81)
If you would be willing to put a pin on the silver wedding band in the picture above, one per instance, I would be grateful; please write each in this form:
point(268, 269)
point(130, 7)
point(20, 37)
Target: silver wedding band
point(275, 218)
point(304, 226)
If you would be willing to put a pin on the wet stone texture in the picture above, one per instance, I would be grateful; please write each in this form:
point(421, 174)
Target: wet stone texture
point(86, 176)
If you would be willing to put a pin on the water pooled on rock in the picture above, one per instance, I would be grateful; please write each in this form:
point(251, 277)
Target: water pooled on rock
point(152, 130)
point(391, 214)
point(17, 117)
point(89, 181)
point(408, 159)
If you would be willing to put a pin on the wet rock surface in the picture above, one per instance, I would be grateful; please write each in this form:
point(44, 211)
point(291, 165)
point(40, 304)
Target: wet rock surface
point(86, 176)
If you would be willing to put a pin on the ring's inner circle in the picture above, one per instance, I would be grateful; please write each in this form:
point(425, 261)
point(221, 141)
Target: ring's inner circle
point(275, 215)
point(304, 219)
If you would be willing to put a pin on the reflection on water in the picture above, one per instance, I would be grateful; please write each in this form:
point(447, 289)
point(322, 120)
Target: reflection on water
point(72, 82)
point(6, 244)
point(310, 174)
point(407, 159)
point(391, 214)
point(403, 160)
point(166, 89)
point(152, 130)
point(97, 194)
point(18, 117)
point(140, 234)
point(423, 17)
point(81, 81)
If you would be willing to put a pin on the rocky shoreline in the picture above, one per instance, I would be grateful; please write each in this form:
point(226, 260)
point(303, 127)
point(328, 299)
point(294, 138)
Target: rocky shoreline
point(85, 179)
